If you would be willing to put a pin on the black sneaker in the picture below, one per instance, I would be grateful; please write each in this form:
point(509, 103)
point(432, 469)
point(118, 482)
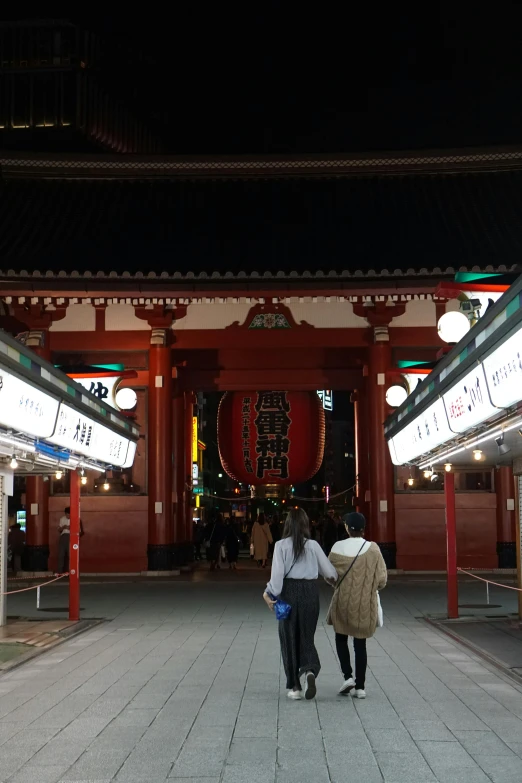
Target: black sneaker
point(311, 689)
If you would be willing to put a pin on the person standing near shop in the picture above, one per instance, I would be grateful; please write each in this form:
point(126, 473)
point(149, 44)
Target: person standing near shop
point(16, 542)
point(64, 526)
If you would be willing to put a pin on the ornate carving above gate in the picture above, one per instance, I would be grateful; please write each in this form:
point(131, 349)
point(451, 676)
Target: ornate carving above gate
point(272, 316)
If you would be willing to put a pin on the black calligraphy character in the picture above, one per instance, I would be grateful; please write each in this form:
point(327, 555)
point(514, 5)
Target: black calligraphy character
point(272, 400)
point(281, 464)
point(272, 423)
point(263, 464)
point(77, 433)
point(99, 390)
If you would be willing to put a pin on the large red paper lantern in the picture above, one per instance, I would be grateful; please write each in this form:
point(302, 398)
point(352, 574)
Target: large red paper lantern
point(271, 437)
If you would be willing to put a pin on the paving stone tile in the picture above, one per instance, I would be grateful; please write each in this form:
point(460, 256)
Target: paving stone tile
point(61, 751)
point(501, 769)
point(34, 774)
point(130, 717)
point(365, 773)
point(245, 773)
point(481, 743)
point(429, 730)
point(445, 755)
point(253, 727)
point(396, 740)
point(404, 768)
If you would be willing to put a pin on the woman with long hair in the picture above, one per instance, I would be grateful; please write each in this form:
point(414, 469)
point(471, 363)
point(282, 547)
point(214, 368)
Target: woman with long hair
point(298, 560)
point(261, 538)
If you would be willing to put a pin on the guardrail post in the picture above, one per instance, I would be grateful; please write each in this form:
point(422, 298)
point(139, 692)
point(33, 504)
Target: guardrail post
point(451, 546)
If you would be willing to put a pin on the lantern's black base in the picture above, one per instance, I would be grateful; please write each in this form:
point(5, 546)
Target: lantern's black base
point(35, 558)
point(389, 552)
point(159, 557)
point(507, 554)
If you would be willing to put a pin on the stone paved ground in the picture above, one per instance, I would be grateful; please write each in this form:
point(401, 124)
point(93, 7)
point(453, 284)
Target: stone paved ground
point(185, 684)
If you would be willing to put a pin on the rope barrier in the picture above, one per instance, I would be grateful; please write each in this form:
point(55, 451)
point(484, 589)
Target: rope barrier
point(37, 587)
point(488, 581)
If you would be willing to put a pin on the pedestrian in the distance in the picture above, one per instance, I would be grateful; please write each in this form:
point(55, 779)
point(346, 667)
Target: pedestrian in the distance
point(330, 532)
point(297, 562)
point(232, 543)
point(354, 610)
point(214, 537)
point(16, 542)
point(261, 539)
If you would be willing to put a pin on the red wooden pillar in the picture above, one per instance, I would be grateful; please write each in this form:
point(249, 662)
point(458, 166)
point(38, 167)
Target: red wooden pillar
point(189, 414)
point(74, 546)
point(36, 555)
point(382, 511)
point(159, 439)
point(180, 538)
point(451, 545)
point(361, 453)
point(506, 523)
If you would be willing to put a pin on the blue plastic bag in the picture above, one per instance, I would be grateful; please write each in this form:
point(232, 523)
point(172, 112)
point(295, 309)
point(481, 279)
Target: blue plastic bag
point(281, 608)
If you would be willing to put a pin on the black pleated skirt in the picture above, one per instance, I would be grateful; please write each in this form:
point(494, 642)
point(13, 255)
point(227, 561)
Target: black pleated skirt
point(297, 632)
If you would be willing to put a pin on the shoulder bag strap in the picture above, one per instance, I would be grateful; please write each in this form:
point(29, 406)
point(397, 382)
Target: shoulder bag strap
point(349, 568)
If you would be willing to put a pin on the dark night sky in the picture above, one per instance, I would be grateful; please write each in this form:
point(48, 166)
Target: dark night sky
point(448, 75)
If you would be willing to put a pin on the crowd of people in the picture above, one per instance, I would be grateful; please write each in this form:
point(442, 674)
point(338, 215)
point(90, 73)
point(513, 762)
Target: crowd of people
point(223, 538)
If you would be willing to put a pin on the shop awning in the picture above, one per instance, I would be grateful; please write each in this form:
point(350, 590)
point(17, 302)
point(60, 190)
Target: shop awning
point(47, 420)
point(469, 409)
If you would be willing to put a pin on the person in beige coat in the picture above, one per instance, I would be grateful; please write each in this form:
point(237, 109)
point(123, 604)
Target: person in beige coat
point(354, 610)
point(261, 538)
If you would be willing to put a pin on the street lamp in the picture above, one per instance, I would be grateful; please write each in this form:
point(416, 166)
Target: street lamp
point(453, 326)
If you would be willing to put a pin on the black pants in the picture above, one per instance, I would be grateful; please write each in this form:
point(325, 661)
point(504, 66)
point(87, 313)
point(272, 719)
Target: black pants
point(361, 660)
point(296, 633)
point(63, 553)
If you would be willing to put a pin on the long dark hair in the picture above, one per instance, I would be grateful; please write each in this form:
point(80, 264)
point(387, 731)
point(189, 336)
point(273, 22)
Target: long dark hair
point(261, 519)
point(297, 527)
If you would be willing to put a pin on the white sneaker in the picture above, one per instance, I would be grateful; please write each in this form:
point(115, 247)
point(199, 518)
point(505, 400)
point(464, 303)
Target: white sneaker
point(296, 695)
point(359, 693)
point(311, 689)
point(347, 685)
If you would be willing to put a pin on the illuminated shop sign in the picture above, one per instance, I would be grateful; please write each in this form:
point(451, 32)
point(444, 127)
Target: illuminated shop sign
point(326, 397)
point(467, 403)
point(503, 370)
point(104, 388)
point(83, 435)
point(423, 434)
point(25, 408)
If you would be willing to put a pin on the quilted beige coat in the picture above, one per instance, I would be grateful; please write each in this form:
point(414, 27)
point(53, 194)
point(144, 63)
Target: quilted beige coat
point(353, 610)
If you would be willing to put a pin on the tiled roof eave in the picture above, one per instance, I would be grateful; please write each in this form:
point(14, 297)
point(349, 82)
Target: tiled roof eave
point(170, 166)
point(252, 277)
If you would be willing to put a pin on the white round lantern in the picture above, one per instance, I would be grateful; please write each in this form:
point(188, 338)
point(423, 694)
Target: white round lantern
point(453, 326)
point(126, 399)
point(396, 395)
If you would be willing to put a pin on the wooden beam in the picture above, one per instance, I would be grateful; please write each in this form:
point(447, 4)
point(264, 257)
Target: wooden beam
point(252, 340)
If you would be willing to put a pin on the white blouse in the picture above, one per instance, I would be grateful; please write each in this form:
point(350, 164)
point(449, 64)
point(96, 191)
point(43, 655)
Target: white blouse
point(312, 562)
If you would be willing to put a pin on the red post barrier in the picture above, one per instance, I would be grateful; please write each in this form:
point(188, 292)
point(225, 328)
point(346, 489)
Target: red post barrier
point(451, 546)
point(74, 547)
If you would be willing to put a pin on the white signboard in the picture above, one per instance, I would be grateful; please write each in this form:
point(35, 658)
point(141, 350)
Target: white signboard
point(80, 433)
point(503, 370)
point(423, 434)
point(26, 409)
point(102, 388)
point(467, 403)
